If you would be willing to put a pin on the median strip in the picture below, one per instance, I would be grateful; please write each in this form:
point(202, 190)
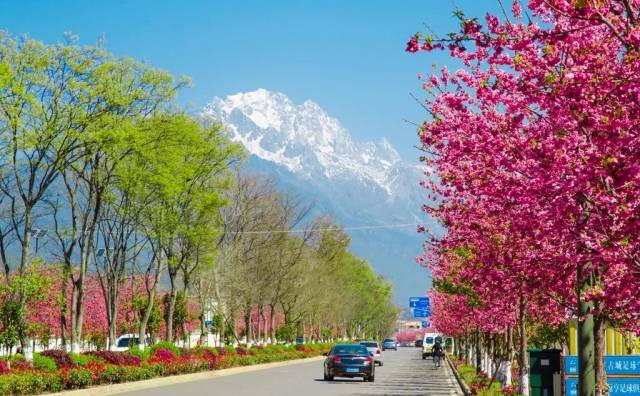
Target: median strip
point(163, 363)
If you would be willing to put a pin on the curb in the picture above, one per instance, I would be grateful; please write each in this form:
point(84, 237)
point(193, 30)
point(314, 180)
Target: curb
point(113, 389)
point(461, 383)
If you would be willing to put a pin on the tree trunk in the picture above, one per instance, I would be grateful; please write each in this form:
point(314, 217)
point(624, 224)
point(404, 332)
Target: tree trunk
point(186, 335)
point(509, 354)
point(24, 263)
point(259, 324)
point(112, 314)
point(79, 311)
point(247, 324)
point(602, 388)
point(75, 304)
point(523, 363)
point(586, 358)
point(272, 323)
point(467, 350)
point(142, 330)
point(26, 240)
point(148, 309)
point(64, 309)
point(203, 329)
point(170, 310)
point(478, 353)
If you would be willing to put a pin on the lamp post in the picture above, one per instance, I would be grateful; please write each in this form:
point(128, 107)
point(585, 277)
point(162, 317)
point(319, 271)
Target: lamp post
point(38, 233)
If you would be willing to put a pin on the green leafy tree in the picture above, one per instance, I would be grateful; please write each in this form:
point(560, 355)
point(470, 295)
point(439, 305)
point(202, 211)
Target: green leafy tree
point(67, 113)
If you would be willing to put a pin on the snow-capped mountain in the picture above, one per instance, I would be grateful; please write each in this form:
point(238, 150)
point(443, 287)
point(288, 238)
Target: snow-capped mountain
point(359, 183)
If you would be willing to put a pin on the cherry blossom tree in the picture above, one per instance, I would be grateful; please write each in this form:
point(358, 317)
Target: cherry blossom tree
point(535, 146)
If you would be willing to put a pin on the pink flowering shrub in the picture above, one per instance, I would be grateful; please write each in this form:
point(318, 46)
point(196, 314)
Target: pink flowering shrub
point(162, 355)
point(221, 351)
point(118, 358)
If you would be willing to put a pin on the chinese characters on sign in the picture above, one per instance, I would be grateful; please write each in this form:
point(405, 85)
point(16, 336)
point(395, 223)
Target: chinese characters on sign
point(618, 365)
point(617, 386)
point(614, 365)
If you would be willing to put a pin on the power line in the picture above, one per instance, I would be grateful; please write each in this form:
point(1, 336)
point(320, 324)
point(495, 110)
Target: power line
point(313, 230)
point(352, 228)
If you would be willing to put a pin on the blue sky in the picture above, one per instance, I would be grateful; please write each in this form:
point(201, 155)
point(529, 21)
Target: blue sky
point(348, 56)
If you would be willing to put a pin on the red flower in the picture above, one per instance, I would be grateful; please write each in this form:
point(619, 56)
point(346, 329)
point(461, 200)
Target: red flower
point(413, 45)
point(163, 356)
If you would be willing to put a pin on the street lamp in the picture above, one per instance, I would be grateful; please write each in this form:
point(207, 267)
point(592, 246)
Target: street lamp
point(38, 233)
point(102, 251)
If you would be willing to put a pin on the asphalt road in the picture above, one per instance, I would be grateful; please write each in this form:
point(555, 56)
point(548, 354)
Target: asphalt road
point(404, 373)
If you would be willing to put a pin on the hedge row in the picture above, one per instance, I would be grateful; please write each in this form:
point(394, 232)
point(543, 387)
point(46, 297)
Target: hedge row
point(55, 370)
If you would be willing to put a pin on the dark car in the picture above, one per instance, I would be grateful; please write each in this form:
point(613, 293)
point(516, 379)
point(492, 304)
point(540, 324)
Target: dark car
point(349, 360)
point(419, 343)
point(389, 343)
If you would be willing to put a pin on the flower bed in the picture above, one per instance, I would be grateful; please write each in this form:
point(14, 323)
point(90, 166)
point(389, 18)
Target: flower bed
point(481, 384)
point(55, 370)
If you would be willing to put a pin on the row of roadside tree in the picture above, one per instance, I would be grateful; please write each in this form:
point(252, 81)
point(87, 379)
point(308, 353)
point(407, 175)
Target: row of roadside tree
point(112, 198)
point(533, 151)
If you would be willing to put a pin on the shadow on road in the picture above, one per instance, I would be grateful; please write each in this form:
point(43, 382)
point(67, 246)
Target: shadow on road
point(342, 381)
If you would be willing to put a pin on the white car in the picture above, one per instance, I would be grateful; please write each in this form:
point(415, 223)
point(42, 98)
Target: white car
point(127, 341)
point(374, 349)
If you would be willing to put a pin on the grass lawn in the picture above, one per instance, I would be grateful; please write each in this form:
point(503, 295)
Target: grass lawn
point(475, 382)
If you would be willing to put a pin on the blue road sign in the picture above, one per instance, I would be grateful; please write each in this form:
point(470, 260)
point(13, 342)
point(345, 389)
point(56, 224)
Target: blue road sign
point(418, 302)
point(425, 324)
point(617, 386)
point(617, 365)
point(421, 313)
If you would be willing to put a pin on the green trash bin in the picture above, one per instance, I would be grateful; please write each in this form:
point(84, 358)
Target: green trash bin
point(543, 364)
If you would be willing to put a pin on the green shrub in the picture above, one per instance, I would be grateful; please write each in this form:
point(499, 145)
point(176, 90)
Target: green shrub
point(142, 354)
point(229, 349)
point(115, 374)
point(227, 362)
point(158, 369)
point(165, 345)
point(27, 383)
point(81, 360)
point(133, 373)
point(271, 349)
point(17, 358)
point(80, 378)
point(286, 332)
point(5, 384)
point(30, 383)
point(111, 374)
point(44, 362)
point(53, 382)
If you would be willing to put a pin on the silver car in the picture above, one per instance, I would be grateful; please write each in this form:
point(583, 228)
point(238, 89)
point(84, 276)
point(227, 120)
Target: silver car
point(374, 349)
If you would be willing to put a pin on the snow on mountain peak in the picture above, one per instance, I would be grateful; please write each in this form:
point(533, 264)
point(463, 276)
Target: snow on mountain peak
point(303, 138)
